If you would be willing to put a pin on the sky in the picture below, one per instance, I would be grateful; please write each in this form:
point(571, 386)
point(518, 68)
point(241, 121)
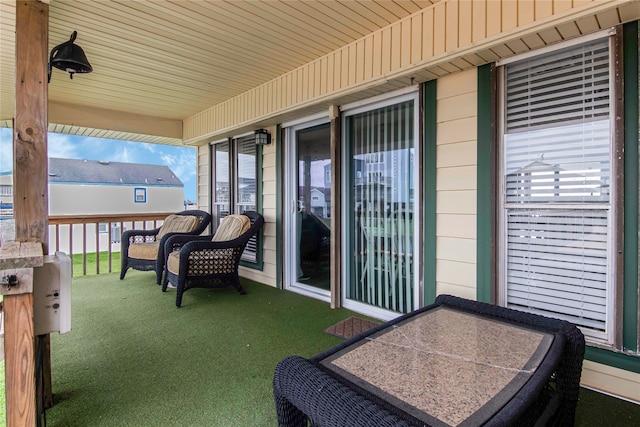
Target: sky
point(181, 160)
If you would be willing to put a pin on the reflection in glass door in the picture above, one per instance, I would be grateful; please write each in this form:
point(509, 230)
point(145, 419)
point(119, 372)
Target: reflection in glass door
point(381, 207)
point(310, 197)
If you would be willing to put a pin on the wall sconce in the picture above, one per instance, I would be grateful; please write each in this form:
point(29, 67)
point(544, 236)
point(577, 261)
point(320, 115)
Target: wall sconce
point(69, 57)
point(263, 137)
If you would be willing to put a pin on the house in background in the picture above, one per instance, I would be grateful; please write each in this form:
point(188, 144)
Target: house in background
point(85, 187)
point(91, 187)
point(6, 195)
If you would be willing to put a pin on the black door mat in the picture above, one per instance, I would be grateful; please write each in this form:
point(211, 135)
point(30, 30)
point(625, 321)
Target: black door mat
point(350, 327)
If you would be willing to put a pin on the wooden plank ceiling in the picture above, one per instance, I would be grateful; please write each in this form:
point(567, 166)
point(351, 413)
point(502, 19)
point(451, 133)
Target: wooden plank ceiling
point(171, 59)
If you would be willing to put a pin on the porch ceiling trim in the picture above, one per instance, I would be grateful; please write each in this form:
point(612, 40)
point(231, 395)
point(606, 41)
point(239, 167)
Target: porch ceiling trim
point(447, 37)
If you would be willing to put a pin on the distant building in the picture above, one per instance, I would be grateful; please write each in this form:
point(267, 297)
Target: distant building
point(6, 195)
point(86, 187)
point(90, 187)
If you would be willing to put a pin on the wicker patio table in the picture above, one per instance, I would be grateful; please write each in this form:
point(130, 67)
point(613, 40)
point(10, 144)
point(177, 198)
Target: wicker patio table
point(454, 363)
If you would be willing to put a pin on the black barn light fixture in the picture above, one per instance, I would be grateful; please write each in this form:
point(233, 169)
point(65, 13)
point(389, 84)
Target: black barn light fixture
point(69, 57)
point(262, 137)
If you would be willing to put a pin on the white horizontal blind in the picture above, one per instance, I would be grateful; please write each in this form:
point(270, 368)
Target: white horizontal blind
point(557, 264)
point(557, 163)
point(567, 86)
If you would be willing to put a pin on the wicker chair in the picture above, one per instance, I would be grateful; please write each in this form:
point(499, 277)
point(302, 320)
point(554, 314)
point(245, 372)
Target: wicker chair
point(144, 249)
point(207, 261)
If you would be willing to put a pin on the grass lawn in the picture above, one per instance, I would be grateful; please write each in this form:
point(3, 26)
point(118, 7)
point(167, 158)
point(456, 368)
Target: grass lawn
point(91, 265)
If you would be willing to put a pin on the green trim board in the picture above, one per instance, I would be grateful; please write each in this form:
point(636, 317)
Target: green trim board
point(429, 169)
point(630, 292)
point(486, 210)
point(614, 359)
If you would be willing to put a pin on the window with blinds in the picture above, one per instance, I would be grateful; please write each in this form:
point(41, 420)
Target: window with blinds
point(235, 182)
point(556, 185)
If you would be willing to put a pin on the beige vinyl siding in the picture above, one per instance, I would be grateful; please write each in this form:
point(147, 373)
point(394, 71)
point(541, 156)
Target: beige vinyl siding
point(456, 184)
point(444, 38)
point(612, 380)
point(267, 275)
point(202, 191)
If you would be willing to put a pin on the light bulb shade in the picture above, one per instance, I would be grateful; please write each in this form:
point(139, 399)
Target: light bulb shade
point(69, 57)
point(262, 137)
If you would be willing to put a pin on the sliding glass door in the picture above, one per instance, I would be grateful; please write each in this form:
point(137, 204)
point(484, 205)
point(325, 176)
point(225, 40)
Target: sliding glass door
point(381, 206)
point(308, 189)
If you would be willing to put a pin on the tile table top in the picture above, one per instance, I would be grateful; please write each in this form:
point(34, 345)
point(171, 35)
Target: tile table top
point(444, 366)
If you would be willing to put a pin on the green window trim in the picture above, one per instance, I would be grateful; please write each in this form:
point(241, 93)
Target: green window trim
point(630, 291)
point(429, 122)
point(614, 359)
point(486, 209)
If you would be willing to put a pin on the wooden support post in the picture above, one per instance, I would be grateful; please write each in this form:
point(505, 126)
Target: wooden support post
point(30, 192)
point(30, 201)
point(18, 260)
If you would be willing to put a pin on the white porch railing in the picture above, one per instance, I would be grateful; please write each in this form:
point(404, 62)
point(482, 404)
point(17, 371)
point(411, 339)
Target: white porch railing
point(96, 234)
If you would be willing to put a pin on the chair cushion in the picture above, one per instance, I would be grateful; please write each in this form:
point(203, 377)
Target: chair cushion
point(147, 250)
point(173, 262)
point(231, 227)
point(178, 224)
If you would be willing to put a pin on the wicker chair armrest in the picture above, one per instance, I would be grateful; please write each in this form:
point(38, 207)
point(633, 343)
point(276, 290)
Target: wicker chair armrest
point(196, 245)
point(132, 235)
point(302, 391)
point(176, 241)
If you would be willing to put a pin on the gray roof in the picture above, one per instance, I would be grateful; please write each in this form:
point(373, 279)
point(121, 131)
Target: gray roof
point(117, 173)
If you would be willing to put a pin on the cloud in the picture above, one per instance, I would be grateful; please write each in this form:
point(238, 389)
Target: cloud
point(182, 161)
point(121, 154)
point(61, 146)
point(149, 147)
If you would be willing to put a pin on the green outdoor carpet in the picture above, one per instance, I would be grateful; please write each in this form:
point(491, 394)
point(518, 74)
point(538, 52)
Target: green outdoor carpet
point(133, 359)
